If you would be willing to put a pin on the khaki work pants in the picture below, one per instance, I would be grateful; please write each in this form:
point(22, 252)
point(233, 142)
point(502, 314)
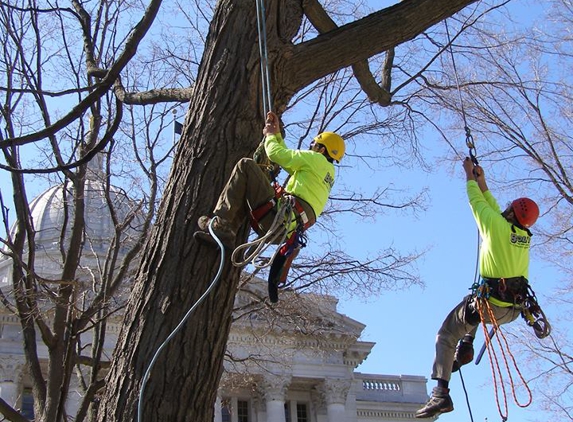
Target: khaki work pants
point(455, 327)
point(248, 185)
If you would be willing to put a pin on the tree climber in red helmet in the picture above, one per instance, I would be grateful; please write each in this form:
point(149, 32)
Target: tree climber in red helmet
point(504, 265)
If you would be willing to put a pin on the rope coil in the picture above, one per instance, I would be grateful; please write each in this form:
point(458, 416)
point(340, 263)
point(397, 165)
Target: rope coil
point(241, 255)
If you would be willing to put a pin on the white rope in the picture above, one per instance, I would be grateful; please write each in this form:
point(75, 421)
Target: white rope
point(181, 323)
point(263, 51)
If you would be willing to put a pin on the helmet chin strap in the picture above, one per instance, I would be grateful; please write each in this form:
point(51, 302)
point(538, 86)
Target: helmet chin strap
point(509, 215)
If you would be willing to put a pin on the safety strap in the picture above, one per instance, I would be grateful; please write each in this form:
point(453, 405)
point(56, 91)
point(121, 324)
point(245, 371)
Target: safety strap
point(258, 213)
point(301, 213)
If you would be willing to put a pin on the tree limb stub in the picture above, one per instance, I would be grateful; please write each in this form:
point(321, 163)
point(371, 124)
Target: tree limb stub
point(153, 96)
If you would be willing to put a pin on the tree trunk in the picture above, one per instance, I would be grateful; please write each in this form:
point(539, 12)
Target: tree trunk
point(223, 124)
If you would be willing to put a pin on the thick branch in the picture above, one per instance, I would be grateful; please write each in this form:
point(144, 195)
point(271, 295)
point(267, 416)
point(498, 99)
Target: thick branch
point(154, 96)
point(376, 93)
point(364, 38)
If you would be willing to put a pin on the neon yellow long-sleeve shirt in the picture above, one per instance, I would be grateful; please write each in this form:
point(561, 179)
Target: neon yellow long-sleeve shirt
point(312, 175)
point(505, 248)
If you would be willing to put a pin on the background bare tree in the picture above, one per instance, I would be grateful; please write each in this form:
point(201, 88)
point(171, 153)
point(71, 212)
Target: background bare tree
point(67, 307)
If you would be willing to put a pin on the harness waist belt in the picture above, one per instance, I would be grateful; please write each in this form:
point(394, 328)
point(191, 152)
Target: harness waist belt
point(510, 290)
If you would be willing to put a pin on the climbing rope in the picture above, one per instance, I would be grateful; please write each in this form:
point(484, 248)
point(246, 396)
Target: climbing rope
point(483, 306)
point(473, 156)
point(182, 322)
point(469, 138)
point(263, 52)
point(466, 394)
point(250, 252)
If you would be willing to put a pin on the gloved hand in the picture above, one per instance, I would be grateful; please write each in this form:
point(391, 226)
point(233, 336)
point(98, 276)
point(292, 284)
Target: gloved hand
point(271, 124)
point(464, 353)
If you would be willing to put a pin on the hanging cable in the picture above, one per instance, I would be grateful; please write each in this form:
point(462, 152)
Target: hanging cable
point(263, 52)
point(181, 323)
point(466, 394)
point(469, 138)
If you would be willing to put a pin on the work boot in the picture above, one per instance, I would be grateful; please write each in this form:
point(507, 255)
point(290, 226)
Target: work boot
point(440, 402)
point(464, 352)
point(221, 230)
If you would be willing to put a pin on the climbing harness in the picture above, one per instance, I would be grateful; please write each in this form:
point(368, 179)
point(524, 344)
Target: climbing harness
point(250, 252)
point(181, 323)
point(289, 212)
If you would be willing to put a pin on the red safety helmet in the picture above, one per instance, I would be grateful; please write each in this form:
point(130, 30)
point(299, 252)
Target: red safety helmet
point(526, 211)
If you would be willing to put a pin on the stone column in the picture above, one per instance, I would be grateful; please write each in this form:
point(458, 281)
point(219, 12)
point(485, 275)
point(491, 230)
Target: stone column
point(75, 396)
point(11, 367)
point(218, 415)
point(259, 407)
point(274, 388)
point(334, 393)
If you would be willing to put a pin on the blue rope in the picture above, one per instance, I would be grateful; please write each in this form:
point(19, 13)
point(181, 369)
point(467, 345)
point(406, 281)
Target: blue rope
point(181, 323)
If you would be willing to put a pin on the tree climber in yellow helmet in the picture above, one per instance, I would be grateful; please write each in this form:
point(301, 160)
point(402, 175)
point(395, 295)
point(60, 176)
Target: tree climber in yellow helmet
point(312, 176)
point(504, 266)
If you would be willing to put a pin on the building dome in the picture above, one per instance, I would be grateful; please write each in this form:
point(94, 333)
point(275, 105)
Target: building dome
point(52, 213)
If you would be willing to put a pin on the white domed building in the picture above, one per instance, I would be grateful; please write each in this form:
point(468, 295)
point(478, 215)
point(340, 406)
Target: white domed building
point(296, 369)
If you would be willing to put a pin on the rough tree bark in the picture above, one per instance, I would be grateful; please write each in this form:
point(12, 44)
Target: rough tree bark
point(223, 124)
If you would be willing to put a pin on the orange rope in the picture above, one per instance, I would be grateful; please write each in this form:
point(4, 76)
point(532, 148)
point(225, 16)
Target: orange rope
point(496, 371)
point(493, 357)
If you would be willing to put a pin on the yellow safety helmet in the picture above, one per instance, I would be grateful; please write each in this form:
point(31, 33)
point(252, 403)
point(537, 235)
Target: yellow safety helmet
point(333, 143)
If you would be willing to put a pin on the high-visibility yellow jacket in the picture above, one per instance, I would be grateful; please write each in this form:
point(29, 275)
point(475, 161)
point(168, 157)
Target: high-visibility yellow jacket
point(504, 252)
point(312, 175)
